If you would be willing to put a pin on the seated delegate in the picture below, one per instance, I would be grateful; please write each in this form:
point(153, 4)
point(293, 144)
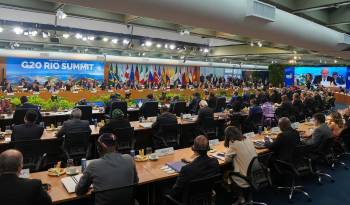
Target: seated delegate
point(75, 124)
point(118, 121)
point(29, 130)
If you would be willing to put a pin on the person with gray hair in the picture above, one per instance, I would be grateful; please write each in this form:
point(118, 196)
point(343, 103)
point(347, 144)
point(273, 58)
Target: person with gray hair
point(16, 190)
point(75, 124)
point(205, 113)
point(284, 145)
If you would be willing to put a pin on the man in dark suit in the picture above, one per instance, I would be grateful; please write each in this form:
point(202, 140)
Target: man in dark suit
point(201, 167)
point(26, 104)
point(212, 101)
point(323, 79)
point(113, 98)
point(172, 104)
point(165, 118)
point(284, 146)
point(320, 134)
point(116, 122)
point(74, 124)
point(194, 104)
point(204, 112)
point(29, 130)
point(15, 190)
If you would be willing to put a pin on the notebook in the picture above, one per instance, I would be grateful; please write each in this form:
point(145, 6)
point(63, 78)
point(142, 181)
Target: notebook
point(70, 182)
point(176, 166)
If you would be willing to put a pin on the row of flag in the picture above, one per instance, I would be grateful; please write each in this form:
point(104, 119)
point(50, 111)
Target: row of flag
point(143, 74)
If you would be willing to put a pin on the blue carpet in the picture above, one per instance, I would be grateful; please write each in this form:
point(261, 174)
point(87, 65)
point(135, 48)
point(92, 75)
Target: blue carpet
point(337, 193)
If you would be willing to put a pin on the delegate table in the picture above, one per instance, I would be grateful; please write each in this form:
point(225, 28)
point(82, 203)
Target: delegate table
point(149, 171)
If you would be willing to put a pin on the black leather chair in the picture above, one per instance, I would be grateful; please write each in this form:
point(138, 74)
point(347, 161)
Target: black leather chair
point(149, 109)
point(122, 105)
point(121, 196)
point(255, 120)
point(208, 128)
point(86, 111)
point(125, 139)
point(221, 104)
point(18, 116)
point(179, 107)
point(170, 135)
point(34, 154)
point(197, 192)
point(76, 145)
point(258, 177)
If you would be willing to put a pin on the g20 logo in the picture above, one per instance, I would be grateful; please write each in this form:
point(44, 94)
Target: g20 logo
point(31, 65)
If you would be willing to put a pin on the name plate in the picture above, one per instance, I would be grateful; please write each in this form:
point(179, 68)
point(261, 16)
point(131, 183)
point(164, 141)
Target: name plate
point(213, 142)
point(249, 134)
point(10, 94)
point(93, 91)
point(295, 125)
point(75, 92)
point(186, 116)
point(110, 91)
point(275, 129)
point(164, 151)
point(140, 90)
point(36, 93)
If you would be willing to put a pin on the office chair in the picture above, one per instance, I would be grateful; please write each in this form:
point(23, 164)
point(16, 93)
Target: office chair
point(76, 145)
point(122, 196)
point(255, 120)
point(179, 107)
point(125, 138)
point(342, 148)
point(149, 109)
point(221, 104)
point(34, 154)
point(257, 178)
point(18, 116)
point(122, 105)
point(208, 127)
point(197, 192)
point(170, 135)
point(86, 111)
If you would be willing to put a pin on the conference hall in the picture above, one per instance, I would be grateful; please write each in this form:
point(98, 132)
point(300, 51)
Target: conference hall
point(182, 102)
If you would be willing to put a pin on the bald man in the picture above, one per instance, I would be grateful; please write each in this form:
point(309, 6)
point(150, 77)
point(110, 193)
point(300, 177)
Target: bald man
point(15, 190)
point(201, 167)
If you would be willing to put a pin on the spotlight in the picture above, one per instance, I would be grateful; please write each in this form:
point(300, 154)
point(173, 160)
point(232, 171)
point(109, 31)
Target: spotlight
point(206, 50)
point(78, 36)
point(66, 35)
point(105, 39)
point(166, 46)
point(252, 44)
point(148, 43)
point(60, 14)
point(91, 38)
point(126, 41)
point(1, 29)
point(18, 30)
point(115, 41)
point(172, 46)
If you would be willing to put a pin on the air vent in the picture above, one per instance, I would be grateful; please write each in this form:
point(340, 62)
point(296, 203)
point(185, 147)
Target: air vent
point(261, 10)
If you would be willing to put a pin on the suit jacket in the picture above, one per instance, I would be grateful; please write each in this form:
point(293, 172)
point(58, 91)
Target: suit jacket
point(201, 167)
point(114, 124)
point(73, 125)
point(319, 135)
point(203, 114)
point(27, 131)
point(285, 144)
point(109, 106)
point(194, 105)
point(165, 118)
point(18, 191)
point(28, 105)
point(212, 102)
point(318, 79)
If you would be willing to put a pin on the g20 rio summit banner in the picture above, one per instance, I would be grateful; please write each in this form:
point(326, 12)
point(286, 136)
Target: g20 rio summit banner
point(43, 70)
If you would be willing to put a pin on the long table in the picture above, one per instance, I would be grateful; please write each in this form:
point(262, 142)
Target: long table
point(148, 172)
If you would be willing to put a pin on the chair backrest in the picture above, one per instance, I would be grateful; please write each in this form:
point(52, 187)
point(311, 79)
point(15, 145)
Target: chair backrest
point(179, 107)
point(150, 109)
point(33, 153)
point(170, 135)
point(122, 105)
point(326, 147)
point(18, 116)
point(256, 118)
point(257, 174)
point(221, 104)
point(345, 138)
point(86, 111)
point(200, 191)
point(125, 138)
point(120, 196)
point(76, 144)
point(208, 126)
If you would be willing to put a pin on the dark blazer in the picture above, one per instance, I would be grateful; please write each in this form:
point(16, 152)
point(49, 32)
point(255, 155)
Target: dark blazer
point(318, 79)
point(109, 106)
point(194, 105)
point(73, 125)
point(284, 146)
point(18, 191)
point(204, 113)
point(28, 105)
point(212, 102)
point(166, 118)
point(114, 124)
point(201, 167)
point(27, 131)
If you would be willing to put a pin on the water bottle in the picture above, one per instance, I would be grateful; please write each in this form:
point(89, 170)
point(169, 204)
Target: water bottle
point(132, 153)
point(259, 130)
point(83, 164)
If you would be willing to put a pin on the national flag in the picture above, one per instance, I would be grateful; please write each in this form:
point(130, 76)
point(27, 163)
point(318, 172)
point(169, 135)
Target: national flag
point(126, 73)
point(167, 76)
point(132, 74)
point(164, 80)
point(150, 77)
point(137, 74)
point(194, 74)
point(155, 75)
point(183, 77)
point(159, 73)
point(190, 76)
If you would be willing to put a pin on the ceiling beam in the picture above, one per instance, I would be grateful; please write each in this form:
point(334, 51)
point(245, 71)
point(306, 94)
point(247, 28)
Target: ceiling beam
point(302, 6)
point(339, 16)
point(130, 18)
point(244, 50)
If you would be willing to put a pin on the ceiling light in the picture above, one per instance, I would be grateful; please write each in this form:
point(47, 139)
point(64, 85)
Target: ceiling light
point(33, 33)
point(45, 35)
point(172, 46)
point(182, 57)
point(252, 44)
point(148, 43)
point(206, 50)
point(166, 46)
point(1, 29)
point(259, 44)
point(60, 14)
point(159, 45)
point(91, 38)
point(78, 36)
point(84, 38)
point(126, 41)
point(143, 45)
point(26, 33)
point(335, 61)
point(18, 30)
point(184, 32)
point(143, 54)
point(66, 35)
point(105, 39)
point(115, 41)
point(295, 57)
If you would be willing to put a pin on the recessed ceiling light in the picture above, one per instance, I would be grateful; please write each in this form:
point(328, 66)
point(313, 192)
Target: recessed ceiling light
point(114, 40)
point(172, 46)
point(84, 38)
point(159, 45)
point(66, 35)
point(18, 30)
point(78, 36)
point(105, 39)
point(206, 50)
point(91, 38)
point(1, 29)
point(126, 41)
point(148, 43)
point(166, 46)
point(33, 33)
